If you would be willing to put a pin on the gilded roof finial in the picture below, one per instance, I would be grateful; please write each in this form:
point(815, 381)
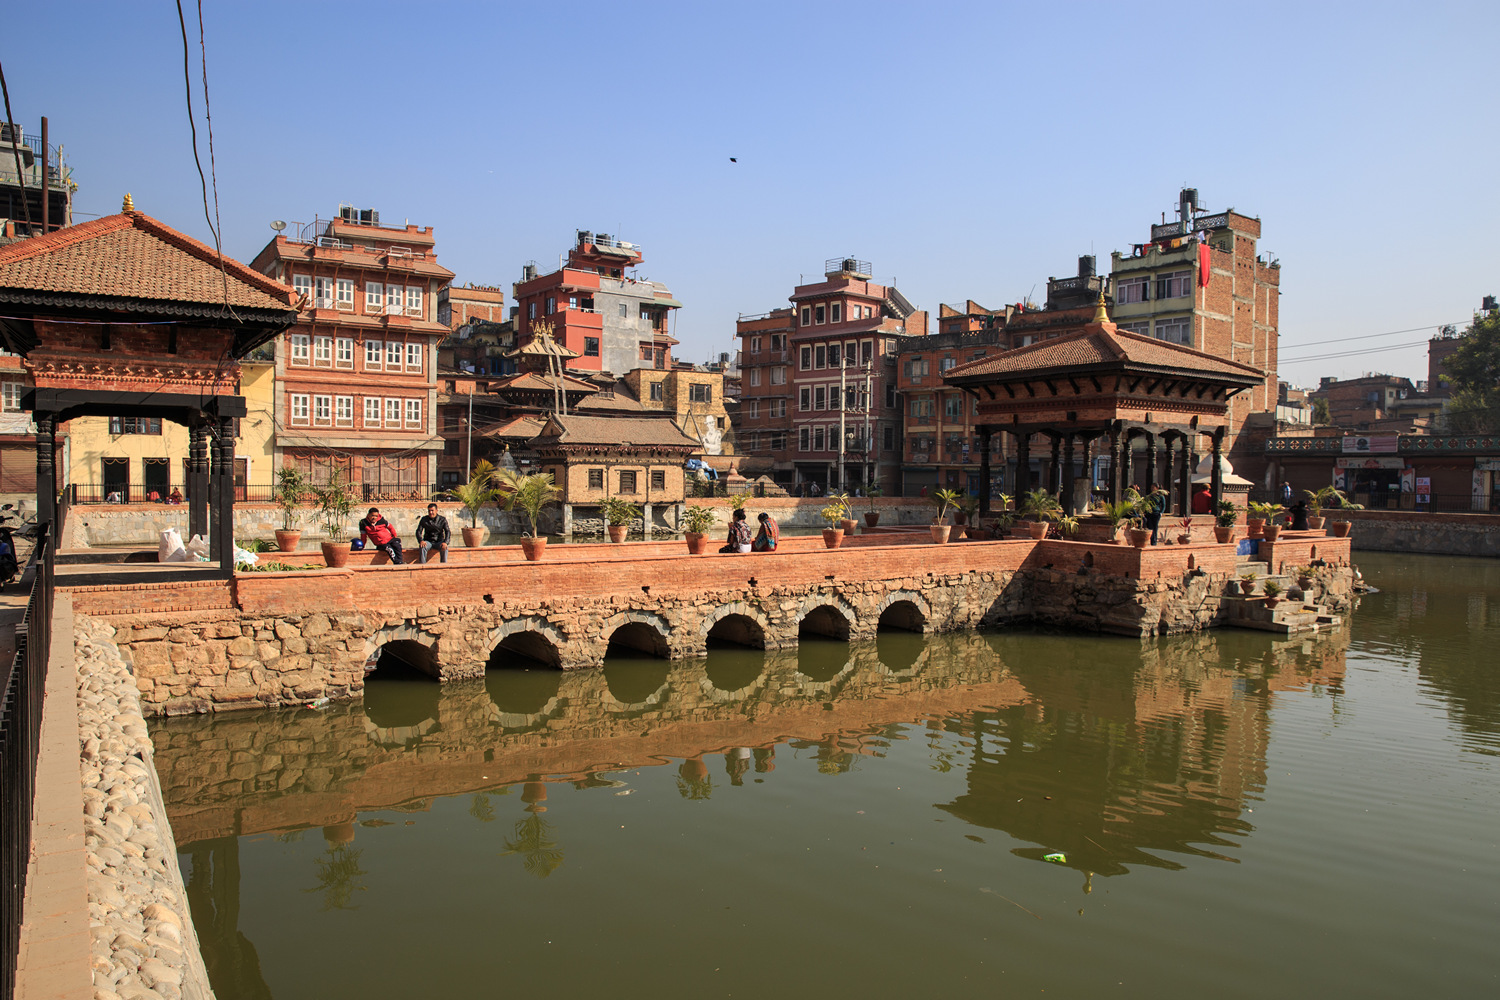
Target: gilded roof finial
point(129, 205)
point(1101, 313)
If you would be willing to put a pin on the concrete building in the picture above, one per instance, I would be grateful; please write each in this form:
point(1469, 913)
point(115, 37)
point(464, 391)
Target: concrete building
point(1366, 403)
point(695, 400)
point(594, 306)
point(356, 377)
point(1199, 283)
point(23, 210)
point(835, 386)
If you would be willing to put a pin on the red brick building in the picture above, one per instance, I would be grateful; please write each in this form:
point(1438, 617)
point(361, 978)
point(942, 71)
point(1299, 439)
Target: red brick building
point(838, 376)
point(356, 378)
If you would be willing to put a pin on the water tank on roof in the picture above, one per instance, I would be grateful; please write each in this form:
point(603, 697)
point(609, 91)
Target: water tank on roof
point(1086, 266)
point(528, 272)
point(584, 236)
point(850, 264)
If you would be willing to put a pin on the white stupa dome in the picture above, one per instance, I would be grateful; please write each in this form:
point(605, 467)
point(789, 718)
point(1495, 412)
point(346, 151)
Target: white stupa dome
point(1204, 472)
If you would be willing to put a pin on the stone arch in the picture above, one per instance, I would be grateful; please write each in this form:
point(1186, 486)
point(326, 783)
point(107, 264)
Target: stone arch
point(407, 643)
point(531, 637)
point(737, 622)
point(906, 610)
point(1088, 560)
point(642, 631)
point(827, 615)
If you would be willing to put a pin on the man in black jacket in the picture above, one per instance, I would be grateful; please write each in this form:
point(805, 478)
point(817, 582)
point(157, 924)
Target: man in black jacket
point(432, 533)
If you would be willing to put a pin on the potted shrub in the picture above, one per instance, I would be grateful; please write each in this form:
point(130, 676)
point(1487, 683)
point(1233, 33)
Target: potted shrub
point(1305, 577)
point(1140, 535)
point(847, 522)
point(968, 515)
point(943, 500)
point(1186, 524)
point(335, 501)
point(1247, 584)
point(290, 485)
point(833, 535)
point(872, 516)
point(1315, 501)
point(1269, 512)
point(1225, 514)
point(533, 493)
point(474, 494)
point(1041, 507)
point(1068, 524)
point(1115, 514)
point(1272, 590)
point(618, 513)
point(1259, 514)
point(1334, 498)
point(695, 522)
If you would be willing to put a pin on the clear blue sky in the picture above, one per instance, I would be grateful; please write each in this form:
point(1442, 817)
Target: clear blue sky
point(967, 150)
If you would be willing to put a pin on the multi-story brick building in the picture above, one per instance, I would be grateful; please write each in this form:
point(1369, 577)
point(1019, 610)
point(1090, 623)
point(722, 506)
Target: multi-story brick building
point(694, 397)
point(1199, 282)
point(613, 321)
point(1368, 403)
point(356, 377)
point(838, 375)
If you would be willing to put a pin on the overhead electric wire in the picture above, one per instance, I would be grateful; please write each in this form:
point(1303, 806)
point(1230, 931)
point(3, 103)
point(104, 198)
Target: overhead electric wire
point(1351, 354)
point(1371, 336)
point(16, 148)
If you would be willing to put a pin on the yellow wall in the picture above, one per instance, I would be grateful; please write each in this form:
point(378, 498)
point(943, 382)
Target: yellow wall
point(257, 440)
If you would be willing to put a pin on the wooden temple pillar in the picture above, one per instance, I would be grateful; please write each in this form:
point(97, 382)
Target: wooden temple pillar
point(1023, 463)
point(221, 535)
point(1069, 478)
point(1189, 463)
point(1151, 461)
point(1054, 471)
point(1216, 475)
point(985, 432)
point(1114, 493)
point(46, 471)
point(197, 479)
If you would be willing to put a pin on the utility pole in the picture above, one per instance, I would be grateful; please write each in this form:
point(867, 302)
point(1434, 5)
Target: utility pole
point(469, 445)
point(869, 405)
point(843, 413)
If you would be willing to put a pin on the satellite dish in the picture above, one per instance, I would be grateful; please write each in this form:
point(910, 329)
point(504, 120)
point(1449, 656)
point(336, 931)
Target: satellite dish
point(278, 225)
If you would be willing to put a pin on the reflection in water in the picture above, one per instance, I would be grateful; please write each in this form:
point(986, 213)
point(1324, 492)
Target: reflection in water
point(1120, 755)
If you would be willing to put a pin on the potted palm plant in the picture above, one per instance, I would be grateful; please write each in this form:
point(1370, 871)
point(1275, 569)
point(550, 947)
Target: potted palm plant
point(1247, 583)
point(1268, 512)
point(1115, 514)
point(834, 514)
point(1225, 515)
point(1041, 507)
point(943, 500)
point(618, 514)
point(533, 493)
point(695, 522)
point(474, 494)
point(290, 485)
point(872, 516)
point(335, 501)
point(1333, 497)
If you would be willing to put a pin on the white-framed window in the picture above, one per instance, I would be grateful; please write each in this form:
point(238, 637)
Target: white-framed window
point(322, 410)
point(754, 409)
point(10, 396)
point(778, 375)
point(393, 299)
point(1174, 285)
point(372, 354)
point(754, 345)
point(343, 355)
point(323, 299)
point(414, 413)
point(346, 294)
point(1128, 290)
point(299, 408)
point(372, 411)
point(414, 357)
point(343, 411)
point(818, 439)
point(374, 297)
point(820, 397)
point(323, 351)
point(413, 300)
point(804, 358)
point(804, 398)
point(833, 355)
point(804, 438)
point(392, 412)
point(820, 356)
point(806, 321)
point(1142, 327)
point(778, 407)
point(393, 355)
point(300, 343)
point(302, 285)
point(946, 364)
point(1177, 330)
point(755, 376)
point(836, 313)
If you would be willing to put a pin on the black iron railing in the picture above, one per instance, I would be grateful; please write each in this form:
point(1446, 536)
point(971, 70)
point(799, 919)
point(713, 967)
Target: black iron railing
point(25, 678)
point(94, 493)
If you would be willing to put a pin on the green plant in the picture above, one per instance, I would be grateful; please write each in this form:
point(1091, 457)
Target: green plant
point(1040, 506)
point(1248, 577)
point(618, 511)
point(1225, 514)
point(737, 502)
point(874, 493)
point(944, 500)
point(1116, 513)
point(1271, 589)
point(533, 493)
point(290, 485)
point(1331, 497)
point(1068, 524)
point(479, 490)
point(267, 567)
point(256, 545)
point(833, 514)
point(969, 505)
point(335, 500)
point(1267, 512)
point(840, 502)
point(697, 520)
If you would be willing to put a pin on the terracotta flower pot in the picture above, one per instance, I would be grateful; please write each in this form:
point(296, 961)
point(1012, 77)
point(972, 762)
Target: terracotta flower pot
point(286, 541)
point(872, 517)
point(1140, 537)
point(474, 537)
point(335, 556)
point(833, 537)
point(1315, 523)
point(1223, 533)
point(533, 548)
point(1305, 582)
point(1184, 539)
point(1272, 532)
point(1255, 527)
point(1247, 587)
point(617, 532)
point(940, 532)
point(1038, 529)
point(1340, 528)
point(1271, 602)
point(848, 525)
point(697, 542)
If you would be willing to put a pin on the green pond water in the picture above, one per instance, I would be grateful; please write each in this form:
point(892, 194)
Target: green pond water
point(1237, 815)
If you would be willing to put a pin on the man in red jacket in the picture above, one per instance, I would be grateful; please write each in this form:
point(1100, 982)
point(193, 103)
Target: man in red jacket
point(376, 530)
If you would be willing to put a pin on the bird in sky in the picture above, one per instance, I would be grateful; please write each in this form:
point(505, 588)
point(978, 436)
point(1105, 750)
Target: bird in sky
point(734, 159)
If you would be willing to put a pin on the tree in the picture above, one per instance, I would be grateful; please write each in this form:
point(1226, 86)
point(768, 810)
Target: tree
point(1321, 414)
point(1474, 370)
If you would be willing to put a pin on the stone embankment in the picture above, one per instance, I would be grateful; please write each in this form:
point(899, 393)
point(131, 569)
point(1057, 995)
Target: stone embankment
point(1429, 534)
point(143, 945)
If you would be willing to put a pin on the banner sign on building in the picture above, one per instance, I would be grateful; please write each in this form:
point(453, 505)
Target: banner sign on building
point(1345, 462)
point(1379, 444)
point(1424, 489)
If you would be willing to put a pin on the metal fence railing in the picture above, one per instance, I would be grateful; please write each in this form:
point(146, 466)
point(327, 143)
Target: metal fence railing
point(95, 493)
point(25, 678)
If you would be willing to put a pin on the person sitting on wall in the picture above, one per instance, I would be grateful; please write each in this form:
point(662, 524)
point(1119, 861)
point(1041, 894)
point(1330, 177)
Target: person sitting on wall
point(1203, 499)
point(739, 534)
point(770, 534)
point(433, 533)
point(376, 530)
point(175, 496)
point(1299, 516)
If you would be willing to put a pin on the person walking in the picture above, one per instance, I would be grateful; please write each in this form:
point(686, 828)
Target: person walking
point(1156, 505)
point(376, 530)
point(769, 535)
point(433, 533)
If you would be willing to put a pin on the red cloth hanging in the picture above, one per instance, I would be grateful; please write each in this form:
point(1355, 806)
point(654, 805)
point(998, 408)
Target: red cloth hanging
point(1203, 268)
